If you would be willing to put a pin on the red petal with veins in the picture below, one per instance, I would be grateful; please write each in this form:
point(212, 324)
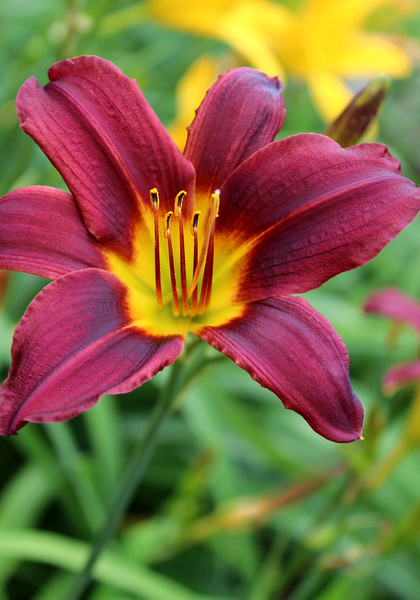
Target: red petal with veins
point(241, 113)
point(310, 209)
point(74, 344)
point(392, 303)
point(292, 350)
point(42, 232)
point(97, 129)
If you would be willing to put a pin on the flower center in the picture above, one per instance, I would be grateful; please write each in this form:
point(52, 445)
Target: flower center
point(192, 302)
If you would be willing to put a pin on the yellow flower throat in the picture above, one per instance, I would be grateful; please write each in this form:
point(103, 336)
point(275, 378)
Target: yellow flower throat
point(174, 282)
point(190, 303)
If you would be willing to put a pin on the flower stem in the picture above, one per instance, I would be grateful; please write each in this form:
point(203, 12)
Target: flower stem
point(388, 464)
point(135, 472)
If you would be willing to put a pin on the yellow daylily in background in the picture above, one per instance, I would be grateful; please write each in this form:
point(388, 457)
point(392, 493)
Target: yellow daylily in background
point(322, 42)
point(326, 44)
point(242, 24)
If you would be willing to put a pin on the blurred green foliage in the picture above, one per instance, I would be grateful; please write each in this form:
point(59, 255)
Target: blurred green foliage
point(242, 499)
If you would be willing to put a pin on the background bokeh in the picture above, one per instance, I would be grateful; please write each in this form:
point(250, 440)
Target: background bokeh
point(242, 499)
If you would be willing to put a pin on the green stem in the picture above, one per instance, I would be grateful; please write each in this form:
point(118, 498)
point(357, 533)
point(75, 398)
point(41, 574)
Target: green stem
point(388, 464)
point(133, 476)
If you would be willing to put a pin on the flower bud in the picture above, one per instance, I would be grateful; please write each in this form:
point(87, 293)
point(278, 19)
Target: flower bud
point(352, 123)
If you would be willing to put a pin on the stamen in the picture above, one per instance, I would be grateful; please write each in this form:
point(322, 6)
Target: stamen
point(154, 199)
point(194, 226)
point(214, 212)
point(206, 288)
point(178, 213)
point(167, 232)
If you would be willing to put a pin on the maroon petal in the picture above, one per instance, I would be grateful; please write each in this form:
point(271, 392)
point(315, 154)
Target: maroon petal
point(292, 350)
point(306, 209)
point(241, 113)
point(97, 129)
point(401, 375)
point(392, 303)
point(75, 343)
point(42, 232)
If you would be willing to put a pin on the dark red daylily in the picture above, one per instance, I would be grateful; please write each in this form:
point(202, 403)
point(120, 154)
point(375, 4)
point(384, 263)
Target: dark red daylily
point(392, 303)
point(151, 244)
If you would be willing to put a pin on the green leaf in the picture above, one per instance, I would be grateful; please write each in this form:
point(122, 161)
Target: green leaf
point(22, 501)
point(111, 568)
point(103, 425)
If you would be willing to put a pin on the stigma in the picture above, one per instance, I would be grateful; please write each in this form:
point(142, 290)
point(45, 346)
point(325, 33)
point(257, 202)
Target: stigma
point(188, 298)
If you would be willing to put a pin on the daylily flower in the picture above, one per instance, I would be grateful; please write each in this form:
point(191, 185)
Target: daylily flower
point(392, 303)
point(151, 244)
point(323, 42)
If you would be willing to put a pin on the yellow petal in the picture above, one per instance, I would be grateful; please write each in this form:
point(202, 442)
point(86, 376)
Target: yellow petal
point(190, 15)
point(364, 55)
point(329, 93)
point(252, 29)
point(253, 47)
point(341, 15)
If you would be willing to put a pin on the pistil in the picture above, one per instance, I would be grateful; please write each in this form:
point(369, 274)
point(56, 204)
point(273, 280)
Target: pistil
point(154, 199)
point(209, 237)
point(206, 287)
point(184, 288)
point(177, 309)
point(196, 216)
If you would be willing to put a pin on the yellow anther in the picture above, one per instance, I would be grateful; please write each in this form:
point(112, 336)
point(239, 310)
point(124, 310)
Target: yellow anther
point(216, 198)
point(167, 219)
point(194, 223)
point(154, 198)
point(178, 202)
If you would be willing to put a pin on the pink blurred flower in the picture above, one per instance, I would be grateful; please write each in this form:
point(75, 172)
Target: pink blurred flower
point(392, 303)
